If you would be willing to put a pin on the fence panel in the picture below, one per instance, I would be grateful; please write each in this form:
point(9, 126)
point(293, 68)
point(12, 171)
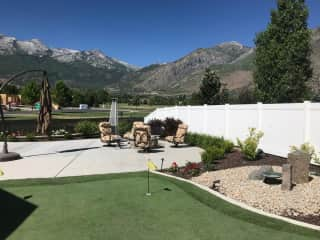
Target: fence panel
point(283, 125)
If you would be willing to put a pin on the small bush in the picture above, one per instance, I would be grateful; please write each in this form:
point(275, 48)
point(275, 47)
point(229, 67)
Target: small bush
point(191, 139)
point(207, 141)
point(2, 136)
point(249, 147)
point(307, 148)
point(58, 132)
point(192, 169)
point(210, 155)
point(228, 146)
point(174, 167)
point(12, 138)
point(124, 126)
point(86, 128)
point(67, 136)
point(157, 127)
point(171, 126)
point(214, 153)
point(30, 137)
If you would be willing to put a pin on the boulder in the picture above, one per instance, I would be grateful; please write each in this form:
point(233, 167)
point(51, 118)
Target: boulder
point(258, 174)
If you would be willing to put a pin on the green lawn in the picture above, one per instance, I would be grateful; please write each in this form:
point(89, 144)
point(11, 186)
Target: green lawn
point(115, 207)
point(125, 111)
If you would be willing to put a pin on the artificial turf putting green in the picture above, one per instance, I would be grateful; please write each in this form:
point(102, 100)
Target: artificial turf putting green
point(116, 207)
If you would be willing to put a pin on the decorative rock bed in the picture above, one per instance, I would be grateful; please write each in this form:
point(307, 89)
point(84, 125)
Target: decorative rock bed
point(302, 203)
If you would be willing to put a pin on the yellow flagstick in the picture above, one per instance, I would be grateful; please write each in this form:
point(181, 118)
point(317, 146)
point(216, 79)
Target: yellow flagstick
point(1, 173)
point(151, 166)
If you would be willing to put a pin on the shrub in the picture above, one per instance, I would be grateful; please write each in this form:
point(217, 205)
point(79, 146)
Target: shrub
point(12, 138)
point(207, 141)
point(307, 148)
point(249, 147)
point(2, 136)
point(30, 137)
point(171, 126)
point(58, 132)
point(211, 154)
point(67, 136)
point(86, 128)
point(191, 139)
point(228, 146)
point(124, 126)
point(192, 169)
point(174, 167)
point(157, 127)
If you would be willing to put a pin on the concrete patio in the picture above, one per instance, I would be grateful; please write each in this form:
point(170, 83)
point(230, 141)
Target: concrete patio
point(88, 156)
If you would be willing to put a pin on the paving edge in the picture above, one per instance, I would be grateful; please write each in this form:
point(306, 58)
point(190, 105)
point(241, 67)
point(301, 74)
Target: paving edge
point(242, 205)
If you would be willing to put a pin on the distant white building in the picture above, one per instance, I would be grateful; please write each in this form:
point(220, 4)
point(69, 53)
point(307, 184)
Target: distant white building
point(83, 106)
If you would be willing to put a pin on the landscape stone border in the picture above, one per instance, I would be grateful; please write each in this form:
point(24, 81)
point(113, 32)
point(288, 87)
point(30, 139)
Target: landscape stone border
point(240, 204)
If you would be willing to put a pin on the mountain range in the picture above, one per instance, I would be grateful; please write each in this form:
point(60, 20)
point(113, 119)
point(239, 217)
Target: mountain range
point(233, 61)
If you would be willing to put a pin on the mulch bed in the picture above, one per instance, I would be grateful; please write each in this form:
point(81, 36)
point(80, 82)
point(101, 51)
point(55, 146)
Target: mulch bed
point(312, 219)
point(232, 160)
point(236, 159)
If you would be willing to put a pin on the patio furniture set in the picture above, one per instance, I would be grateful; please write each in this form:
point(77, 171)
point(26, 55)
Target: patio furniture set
point(140, 135)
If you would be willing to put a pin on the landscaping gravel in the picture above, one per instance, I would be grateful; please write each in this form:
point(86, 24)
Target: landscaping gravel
point(302, 203)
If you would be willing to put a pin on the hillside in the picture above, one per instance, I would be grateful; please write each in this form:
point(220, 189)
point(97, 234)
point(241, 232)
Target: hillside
point(233, 62)
point(183, 75)
point(79, 68)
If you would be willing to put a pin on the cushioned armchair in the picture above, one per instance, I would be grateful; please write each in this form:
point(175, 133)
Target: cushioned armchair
point(130, 135)
point(142, 137)
point(106, 135)
point(180, 134)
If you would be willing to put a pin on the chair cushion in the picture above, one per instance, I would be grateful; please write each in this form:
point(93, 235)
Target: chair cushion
point(182, 130)
point(169, 138)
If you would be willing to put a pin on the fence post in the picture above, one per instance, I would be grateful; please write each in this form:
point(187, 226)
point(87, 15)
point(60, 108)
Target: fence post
point(189, 115)
point(176, 112)
point(307, 105)
point(227, 120)
point(260, 111)
point(205, 118)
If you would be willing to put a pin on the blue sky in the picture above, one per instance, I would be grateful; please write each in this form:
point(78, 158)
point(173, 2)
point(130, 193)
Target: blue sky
point(140, 32)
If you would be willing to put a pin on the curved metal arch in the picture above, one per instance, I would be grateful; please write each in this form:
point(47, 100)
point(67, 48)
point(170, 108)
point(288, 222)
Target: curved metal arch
point(3, 85)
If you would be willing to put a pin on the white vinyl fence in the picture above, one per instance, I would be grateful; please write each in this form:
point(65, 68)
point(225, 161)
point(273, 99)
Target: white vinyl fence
point(283, 125)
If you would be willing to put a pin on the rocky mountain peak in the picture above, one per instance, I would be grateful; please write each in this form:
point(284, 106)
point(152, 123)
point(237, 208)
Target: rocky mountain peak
point(34, 47)
point(231, 44)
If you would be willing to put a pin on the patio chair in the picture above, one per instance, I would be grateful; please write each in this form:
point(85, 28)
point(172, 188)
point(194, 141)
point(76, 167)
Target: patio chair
point(106, 135)
point(142, 137)
point(130, 135)
point(180, 134)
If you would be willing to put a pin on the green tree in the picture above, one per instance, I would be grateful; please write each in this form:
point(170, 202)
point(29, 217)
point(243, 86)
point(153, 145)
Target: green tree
point(11, 89)
point(210, 88)
point(102, 96)
point(246, 96)
point(30, 93)
point(77, 98)
point(62, 94)
point(195, 99)
point(283, 51)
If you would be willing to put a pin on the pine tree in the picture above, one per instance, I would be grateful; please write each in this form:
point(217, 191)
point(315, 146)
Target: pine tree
point(283, 65)
point(210, 88)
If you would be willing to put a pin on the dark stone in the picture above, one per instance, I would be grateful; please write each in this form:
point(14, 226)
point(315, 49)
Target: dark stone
point(258, 174)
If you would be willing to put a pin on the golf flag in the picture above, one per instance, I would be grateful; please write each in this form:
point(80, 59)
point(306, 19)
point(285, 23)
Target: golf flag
point(1, 173)
point(151, 165)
